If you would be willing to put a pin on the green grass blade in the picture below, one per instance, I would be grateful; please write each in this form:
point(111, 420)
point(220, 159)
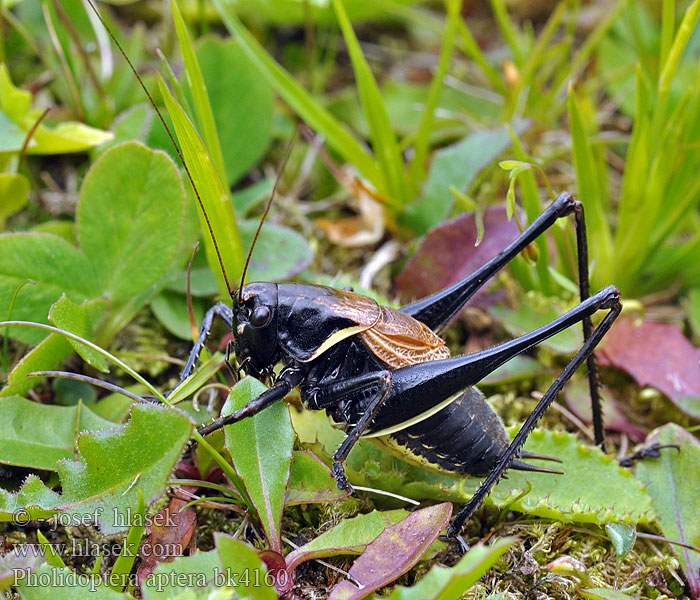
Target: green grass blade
point(226, 467)
point(118, 578)
point(126, 368)
point(584, 53)
point(681, 208)
point(690, 18)
point(417, 167)
point(469, 46)
point(660, 185)
point(198, 378)
point(536, 57)
point(465, 41)
point(52, 555)
point(508, 30)
point(301, 101)
point(216, 209)
point(61, 43)
point(668, 23)
point(590, 191)
point(384, 144)
point(202, 106)
point(634, 178)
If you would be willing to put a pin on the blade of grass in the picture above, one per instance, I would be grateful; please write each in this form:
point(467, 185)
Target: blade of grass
point(635, 19)
point(172, 80)
point(591, 195)
point(384, 144)
point(125, 561)
point(469, 46)
point(687, 188)
point(531, 202)
point(52, 555)
point(126, 368)
point(668, 24)
point(508, 30)
point(216, 209)
point(465, 41)
point(202, 106)
point(535, 57)
point(303, 103)
point(200, 376)
point(680, 40)
point(634, 178)
point(61, 44)
point(584, 53)
point(417, 166)
point(226, 467)
point(635, 250)
point(673, 264)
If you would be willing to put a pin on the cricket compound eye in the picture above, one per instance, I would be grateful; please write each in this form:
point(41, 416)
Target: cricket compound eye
point(260, 316)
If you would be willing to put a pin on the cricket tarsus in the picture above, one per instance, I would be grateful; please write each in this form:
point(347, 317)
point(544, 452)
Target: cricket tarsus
point(286, 382)
point(653, 451)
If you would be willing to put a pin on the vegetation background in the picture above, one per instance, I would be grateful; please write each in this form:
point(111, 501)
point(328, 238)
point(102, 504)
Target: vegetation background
point(427, 135)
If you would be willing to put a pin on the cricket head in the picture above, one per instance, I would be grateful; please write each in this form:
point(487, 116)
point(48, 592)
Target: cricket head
point(255, 328)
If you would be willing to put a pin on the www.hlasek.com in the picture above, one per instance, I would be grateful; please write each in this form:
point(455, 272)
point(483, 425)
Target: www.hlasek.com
point(85, 547)
point(218, 578)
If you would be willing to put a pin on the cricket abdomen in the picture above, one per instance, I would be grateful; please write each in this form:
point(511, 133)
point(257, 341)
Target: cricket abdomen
point(465, 436)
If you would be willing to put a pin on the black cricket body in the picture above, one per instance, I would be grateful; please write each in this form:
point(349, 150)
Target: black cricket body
point(328, 335)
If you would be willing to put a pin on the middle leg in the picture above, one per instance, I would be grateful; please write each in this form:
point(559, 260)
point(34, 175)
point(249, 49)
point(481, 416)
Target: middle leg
point(376, 385)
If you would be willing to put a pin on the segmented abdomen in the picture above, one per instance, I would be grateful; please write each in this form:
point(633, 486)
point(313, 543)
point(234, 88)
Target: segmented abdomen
point(464, 437)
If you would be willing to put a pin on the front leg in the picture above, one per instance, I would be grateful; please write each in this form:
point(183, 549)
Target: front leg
point(288, 379)
point(225, 313)
point(378, 384)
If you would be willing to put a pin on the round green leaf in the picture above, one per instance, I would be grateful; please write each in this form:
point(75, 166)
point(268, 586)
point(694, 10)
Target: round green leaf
point(279, 254)
point(130, 216)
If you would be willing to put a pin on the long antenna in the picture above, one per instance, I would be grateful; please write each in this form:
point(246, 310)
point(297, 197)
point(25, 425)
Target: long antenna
point(172, 139)
point(280, 171)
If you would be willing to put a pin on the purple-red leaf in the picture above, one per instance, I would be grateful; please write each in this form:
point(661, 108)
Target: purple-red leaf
point(170, 532)
point(393, 552)
point(448, 254)
point(578, 399)
point(350, 536)
point(658, 355)
point(277, 568)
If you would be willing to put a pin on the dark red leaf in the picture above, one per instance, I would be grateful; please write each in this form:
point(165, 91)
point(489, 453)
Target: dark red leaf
point(393, 552)
point(447, 254)
point(659, 355)
point(169, 533)
point(277, 567)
